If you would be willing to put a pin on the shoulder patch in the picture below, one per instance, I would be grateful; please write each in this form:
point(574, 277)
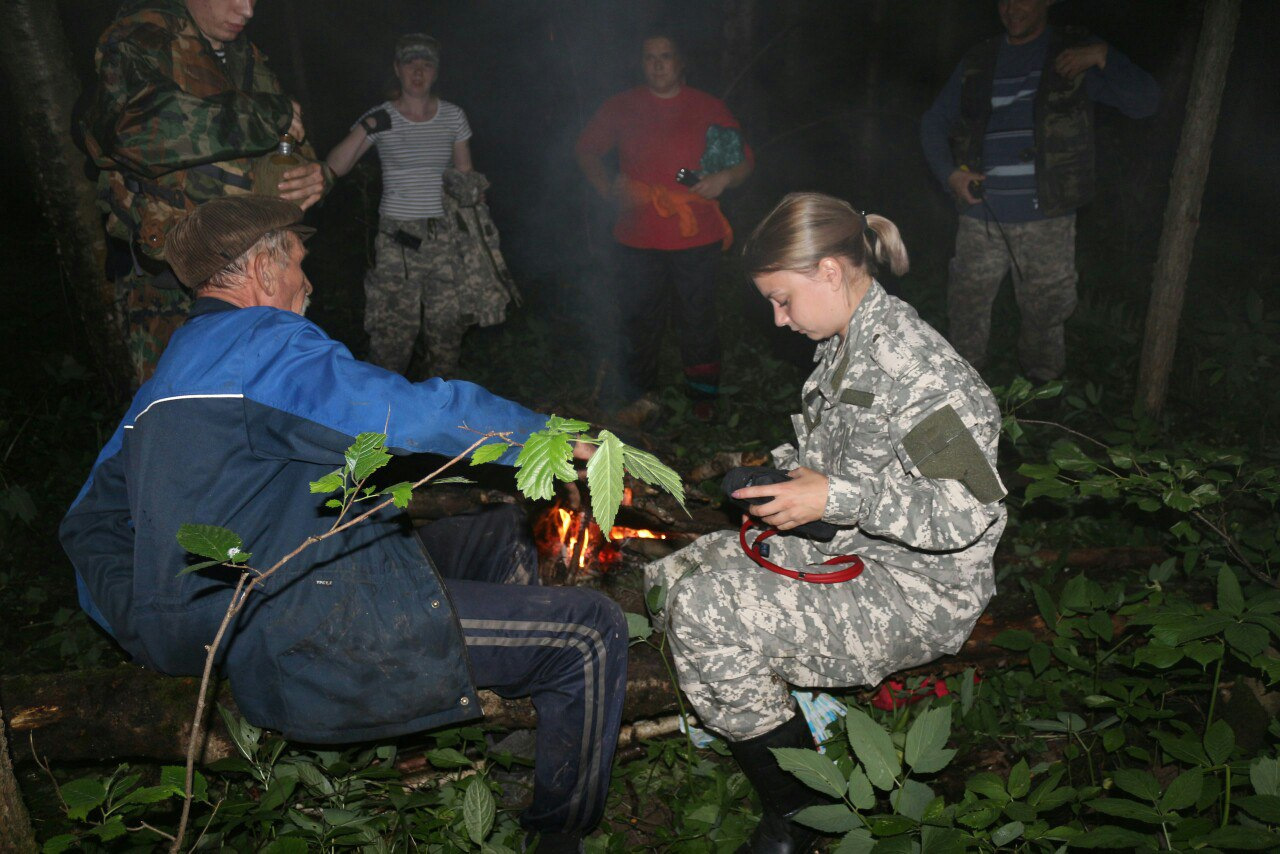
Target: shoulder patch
point(941, 447)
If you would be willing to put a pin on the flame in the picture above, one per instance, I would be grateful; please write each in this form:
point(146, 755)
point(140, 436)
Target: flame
point(568, 531)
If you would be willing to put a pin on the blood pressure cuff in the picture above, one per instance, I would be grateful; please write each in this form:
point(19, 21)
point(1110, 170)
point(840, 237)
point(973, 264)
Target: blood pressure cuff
point(941, 447)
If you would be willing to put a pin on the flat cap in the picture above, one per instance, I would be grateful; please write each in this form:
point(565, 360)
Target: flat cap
point(220, 230)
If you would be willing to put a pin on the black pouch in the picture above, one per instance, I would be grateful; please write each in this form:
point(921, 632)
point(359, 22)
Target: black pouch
point(407, 240)
point(742, 476)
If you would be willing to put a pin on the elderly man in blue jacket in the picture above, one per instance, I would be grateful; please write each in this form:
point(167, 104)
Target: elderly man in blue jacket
point(366, 635)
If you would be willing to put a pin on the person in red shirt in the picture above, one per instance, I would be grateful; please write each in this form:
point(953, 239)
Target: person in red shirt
point(670, 235)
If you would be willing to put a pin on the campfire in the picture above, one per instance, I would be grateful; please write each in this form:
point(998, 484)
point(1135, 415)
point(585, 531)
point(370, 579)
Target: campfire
point(573, 546)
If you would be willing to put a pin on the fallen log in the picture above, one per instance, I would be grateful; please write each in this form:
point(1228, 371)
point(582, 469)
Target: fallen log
point(127, 712)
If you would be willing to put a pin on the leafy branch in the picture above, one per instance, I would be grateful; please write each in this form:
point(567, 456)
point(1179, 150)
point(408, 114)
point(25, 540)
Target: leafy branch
point(546, 457)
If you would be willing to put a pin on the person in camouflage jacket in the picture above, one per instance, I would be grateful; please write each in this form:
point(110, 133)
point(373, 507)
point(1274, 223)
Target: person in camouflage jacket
point(183, 106)
point(895, 445)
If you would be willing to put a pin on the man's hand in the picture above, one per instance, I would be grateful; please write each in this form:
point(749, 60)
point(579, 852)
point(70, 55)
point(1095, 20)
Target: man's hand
point(584, 451)
point(801, 500)
point(1074, 61)
point(296, 130)
point(302, 185)
point(712, 186)
point(959, 181)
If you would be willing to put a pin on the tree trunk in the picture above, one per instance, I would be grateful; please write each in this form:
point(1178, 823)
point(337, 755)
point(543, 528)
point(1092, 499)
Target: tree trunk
point(1182, 215)
point(16, 834)
point(37, 61)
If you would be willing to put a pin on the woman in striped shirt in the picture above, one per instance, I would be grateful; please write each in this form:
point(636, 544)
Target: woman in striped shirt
point(413, 285)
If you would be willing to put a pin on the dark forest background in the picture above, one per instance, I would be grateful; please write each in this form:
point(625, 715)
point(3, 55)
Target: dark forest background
point(830, 95)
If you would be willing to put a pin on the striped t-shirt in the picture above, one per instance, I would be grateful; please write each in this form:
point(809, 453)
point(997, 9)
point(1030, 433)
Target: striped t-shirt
point(1008, 150)
point(414, 156)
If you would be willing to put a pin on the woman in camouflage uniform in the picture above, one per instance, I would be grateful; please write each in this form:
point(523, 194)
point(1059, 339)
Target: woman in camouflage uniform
point(896, 445)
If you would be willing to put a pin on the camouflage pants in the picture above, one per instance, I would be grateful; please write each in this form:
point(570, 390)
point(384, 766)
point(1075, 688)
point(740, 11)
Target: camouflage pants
point(412, 290)
point(1045, 292)
point(740, 633)
point(151, 316)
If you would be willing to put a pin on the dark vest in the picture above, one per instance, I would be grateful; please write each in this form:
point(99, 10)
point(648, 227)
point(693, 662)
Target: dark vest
point(1064, 148)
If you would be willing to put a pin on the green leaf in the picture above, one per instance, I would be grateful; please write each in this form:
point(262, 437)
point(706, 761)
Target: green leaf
point(860, 793)
point(287, 845)
point(874, 749)
point(656, 599)
point(447, 757)
point(829, 818)
point(331, 482)
point(912, 799)
point(1110, 836)
point(60, 843)
point(891, 825)
point(366, 455)
point(638, 627)
point(1049, 488)
point(1124, 808)
point(1157, 655)
point(1038, 471)
point(210, 541)
point(556, 424)
point(148, 795)
point(1264, 774)
point(927, 739)
point(1019, 780)
point(1246, 838)
point(1007, 833)
point(175, 778)
point(1184, 791)
point(544, 459)
point(856, 842)
point(82, 795)
point(1219, 741)
point(1265, 808)
point(604, 477)
point(987, 785)
point(644, 466)
point(1230, 599)
point(942, 840)
point(1068, 457)
point(400, 493)
point(1247, 638)
point(1140, 784)
point(811, 768)
point(478, 810)
point(489, 453)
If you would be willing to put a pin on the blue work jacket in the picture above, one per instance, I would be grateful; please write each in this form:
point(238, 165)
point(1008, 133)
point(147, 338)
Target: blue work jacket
point(353, 639)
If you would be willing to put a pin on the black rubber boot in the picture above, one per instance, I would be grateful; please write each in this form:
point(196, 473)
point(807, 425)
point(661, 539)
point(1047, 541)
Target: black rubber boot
point(781, 793)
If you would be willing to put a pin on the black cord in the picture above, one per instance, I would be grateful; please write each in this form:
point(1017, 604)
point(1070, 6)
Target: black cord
point(991, 217)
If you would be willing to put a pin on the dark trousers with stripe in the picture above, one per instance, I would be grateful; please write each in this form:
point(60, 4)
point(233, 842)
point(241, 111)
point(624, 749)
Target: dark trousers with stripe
point(565, 647)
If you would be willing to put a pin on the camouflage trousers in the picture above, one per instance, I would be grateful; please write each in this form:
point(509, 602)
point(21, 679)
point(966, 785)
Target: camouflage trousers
point(1045, 290)
point(151, 315)
point(415, 290)
point(739, 633)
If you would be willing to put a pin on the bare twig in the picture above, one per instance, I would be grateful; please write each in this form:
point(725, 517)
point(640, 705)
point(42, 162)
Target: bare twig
point(241, 594)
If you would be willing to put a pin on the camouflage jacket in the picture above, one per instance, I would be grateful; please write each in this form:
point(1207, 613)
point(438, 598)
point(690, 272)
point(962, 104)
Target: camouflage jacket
point(170, 125)
point(906, 433)
point(486, 285)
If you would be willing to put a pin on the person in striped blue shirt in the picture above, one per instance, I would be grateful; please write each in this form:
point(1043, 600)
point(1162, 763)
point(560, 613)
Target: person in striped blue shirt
point(414, 286)
point(1011, 136)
